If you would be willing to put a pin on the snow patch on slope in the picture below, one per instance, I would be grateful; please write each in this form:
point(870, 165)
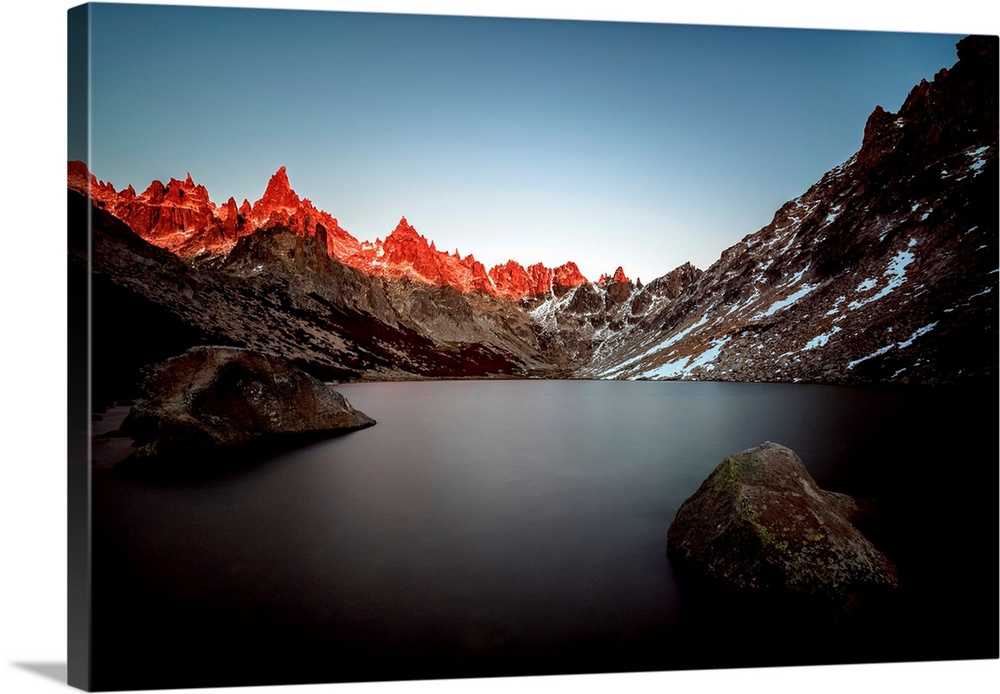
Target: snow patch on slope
point(821, 340)
point(978, 157)
point(547, 313)
point(787, 301)
point(895, 345)
point(893, 277)
point(683, 366)
point(790, 299)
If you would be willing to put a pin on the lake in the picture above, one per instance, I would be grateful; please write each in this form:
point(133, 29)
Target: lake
point(519, 527)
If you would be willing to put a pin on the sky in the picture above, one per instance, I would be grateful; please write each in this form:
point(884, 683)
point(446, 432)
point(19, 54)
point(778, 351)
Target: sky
point(629, 143)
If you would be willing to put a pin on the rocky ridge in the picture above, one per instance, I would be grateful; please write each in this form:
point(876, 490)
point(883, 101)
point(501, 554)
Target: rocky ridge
point(180, 217)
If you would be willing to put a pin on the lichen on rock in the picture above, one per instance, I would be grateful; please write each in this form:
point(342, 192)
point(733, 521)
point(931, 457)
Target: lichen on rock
point(760, 526)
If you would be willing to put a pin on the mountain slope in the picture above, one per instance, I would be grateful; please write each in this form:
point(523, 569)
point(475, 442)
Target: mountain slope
point(883, 271)
point(281, 293)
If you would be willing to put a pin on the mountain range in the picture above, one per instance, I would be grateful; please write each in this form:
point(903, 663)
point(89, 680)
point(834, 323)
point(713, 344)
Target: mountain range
point(181, 218)
point(884, 271)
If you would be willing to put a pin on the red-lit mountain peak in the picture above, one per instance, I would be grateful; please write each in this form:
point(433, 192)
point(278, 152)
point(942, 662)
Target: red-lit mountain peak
point(404, 231)
point(278, 196)
point(568, 275)
point(618, 276)
point(512, 280)
point(187, 194)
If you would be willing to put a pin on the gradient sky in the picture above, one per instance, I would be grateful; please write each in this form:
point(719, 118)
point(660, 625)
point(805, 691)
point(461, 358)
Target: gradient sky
point(607, 143)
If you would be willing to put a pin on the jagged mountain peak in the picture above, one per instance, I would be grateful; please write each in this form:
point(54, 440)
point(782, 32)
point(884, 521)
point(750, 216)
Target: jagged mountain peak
point(404, 230)
point(617, 276)
point(957, 108)
point(279, 179)
point(278, 195)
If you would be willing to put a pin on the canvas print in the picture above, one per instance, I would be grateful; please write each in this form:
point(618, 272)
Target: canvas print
point(414, 347)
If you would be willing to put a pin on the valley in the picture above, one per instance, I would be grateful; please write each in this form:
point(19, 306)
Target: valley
point(883, 272)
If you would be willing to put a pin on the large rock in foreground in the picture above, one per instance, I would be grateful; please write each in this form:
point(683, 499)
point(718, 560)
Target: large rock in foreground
point(760, 527)
point(211, 403)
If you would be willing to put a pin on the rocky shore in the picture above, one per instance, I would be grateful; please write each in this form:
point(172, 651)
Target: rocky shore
point(216, 407)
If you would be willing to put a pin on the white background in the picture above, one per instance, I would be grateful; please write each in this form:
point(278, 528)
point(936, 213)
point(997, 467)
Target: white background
point(32, 272)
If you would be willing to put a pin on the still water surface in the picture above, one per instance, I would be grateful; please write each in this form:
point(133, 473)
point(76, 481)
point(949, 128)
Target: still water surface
point(519, 527)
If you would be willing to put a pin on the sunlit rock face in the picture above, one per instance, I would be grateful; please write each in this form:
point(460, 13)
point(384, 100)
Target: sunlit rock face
point(180, 217)
point(618, 276)
point(884, 271)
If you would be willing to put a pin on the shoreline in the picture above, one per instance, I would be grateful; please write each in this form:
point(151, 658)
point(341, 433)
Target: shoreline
point(107, 448)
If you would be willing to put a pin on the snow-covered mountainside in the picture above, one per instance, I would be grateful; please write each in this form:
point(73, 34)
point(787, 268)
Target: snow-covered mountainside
point(884, 271)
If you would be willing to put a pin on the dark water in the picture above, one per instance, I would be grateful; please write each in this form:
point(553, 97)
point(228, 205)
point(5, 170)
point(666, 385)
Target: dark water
point(504, 528)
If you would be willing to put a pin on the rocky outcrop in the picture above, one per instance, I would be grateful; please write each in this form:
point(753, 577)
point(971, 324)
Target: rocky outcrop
point(617, 276)
point(760, 527)
point(212, 403)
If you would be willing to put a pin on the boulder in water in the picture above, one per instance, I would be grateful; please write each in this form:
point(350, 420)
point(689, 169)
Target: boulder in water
point(214, 403)
point(760, 527)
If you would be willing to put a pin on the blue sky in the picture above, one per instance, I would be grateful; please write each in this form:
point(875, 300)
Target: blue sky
point(608, 143)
